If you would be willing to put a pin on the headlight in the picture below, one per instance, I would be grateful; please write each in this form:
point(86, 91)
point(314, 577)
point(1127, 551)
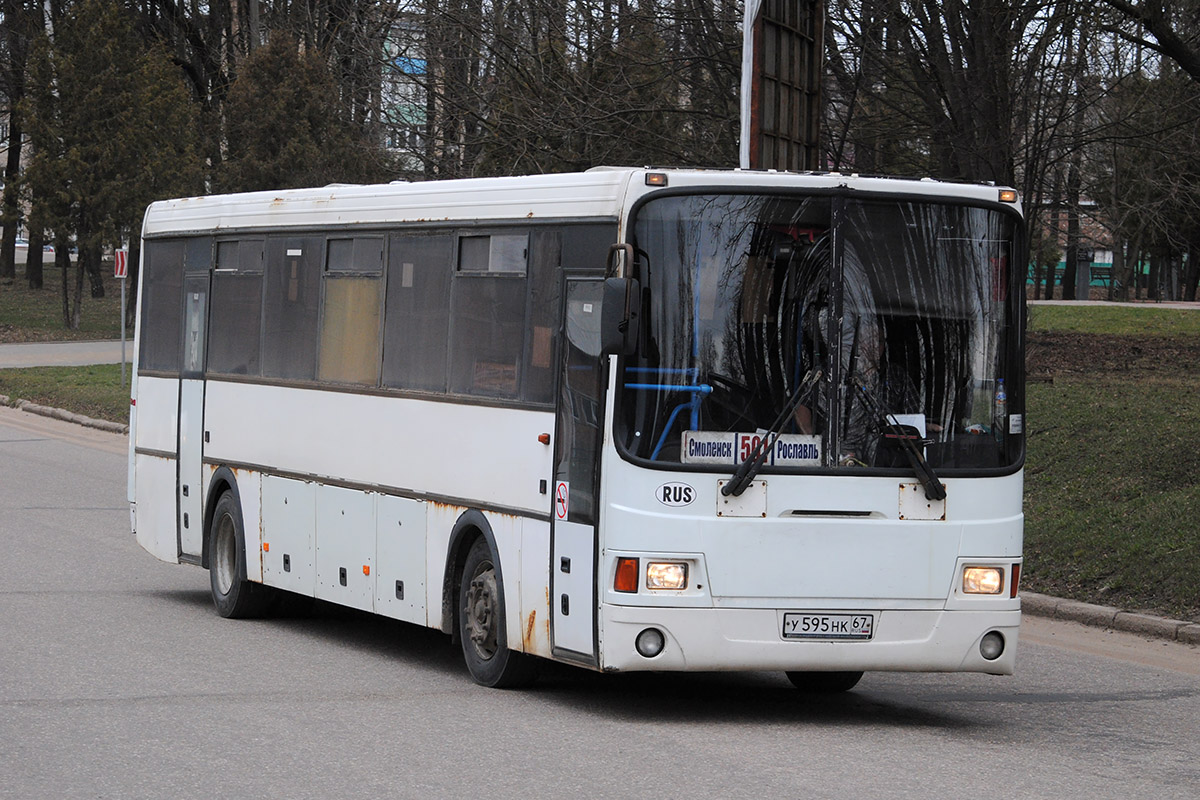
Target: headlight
point(666, 575)
point(983, 580)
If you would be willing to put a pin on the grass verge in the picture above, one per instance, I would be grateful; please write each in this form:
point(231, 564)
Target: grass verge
point(1123, 320)
point(36, 315)
point(94, 391)
point(1111, 491)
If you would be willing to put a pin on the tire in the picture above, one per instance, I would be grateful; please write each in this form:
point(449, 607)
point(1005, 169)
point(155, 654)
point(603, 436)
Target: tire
point(824, 682)
point(233, 595)
point(481, 624)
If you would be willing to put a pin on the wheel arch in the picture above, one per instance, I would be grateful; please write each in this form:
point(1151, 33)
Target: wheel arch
point(471, 525)
point(223, 480)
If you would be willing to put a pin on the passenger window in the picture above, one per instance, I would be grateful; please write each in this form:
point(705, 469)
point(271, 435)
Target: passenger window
point(236, 308)
point(417, 316)
point(351, 316)
point(495, 253)
point(162, 306)
point(290, 304)
point(363, 254)
point(487, 336)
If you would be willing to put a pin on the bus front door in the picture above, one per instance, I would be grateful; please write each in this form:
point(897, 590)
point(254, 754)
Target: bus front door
point(576, 480)
point(191, 419)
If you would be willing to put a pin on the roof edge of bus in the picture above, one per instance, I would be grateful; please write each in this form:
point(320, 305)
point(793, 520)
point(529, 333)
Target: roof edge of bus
point(597, 193)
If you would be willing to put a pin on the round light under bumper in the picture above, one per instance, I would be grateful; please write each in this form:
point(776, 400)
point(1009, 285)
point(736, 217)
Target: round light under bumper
point(991, 646)
point(650, 642)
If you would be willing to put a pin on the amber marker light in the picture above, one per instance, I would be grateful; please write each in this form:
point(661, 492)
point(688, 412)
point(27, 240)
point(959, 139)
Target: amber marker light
point(1016, 579)
point(656, 179)
point(266, 547)
point(1008, 195)
point(366, 569)
point(627, 575)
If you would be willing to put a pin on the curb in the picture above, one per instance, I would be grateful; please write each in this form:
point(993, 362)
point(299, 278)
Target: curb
point(66, 416)
point(1175, 630)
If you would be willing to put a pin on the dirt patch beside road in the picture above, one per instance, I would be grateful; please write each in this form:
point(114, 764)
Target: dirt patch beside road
point(1050, 353)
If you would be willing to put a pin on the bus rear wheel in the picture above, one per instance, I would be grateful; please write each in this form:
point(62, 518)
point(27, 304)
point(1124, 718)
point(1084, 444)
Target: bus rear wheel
point(824, 682)
point(233, 595)
point(481, 624)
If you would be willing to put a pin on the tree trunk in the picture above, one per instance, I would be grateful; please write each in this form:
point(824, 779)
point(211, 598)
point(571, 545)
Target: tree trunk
point(62, 260)
point(95, 274)
point(14, 78)
point(1191, 275)
point(77, 300)
point(33, 261)
point(11, 211)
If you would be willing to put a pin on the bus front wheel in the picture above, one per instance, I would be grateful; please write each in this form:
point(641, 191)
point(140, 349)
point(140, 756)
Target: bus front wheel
point(481, 624)
point(233, 595)
point(824, 682)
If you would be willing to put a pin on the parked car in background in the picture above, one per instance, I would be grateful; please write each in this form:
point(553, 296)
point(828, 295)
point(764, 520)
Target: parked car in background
point(22, 252)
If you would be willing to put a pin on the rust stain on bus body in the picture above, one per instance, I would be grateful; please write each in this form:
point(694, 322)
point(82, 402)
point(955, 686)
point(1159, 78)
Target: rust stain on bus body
point(529, 630)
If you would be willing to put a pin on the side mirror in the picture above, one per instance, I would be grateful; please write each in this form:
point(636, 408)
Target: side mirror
point(620, 314)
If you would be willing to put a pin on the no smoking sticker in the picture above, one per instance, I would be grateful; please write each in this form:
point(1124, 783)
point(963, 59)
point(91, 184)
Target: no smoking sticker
point(562, 499)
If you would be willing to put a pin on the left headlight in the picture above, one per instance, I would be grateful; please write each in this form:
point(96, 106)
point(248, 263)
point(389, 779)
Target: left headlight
point(666, 575)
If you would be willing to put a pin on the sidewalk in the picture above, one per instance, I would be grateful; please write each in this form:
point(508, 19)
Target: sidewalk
point(63, 354)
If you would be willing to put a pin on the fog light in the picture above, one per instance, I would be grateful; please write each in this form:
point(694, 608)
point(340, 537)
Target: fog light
point(983, 580)
point(666, 575)
point(650, 642)
point(991, 646)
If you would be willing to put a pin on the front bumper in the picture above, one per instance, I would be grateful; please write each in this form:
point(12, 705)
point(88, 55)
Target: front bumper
point(711, 639)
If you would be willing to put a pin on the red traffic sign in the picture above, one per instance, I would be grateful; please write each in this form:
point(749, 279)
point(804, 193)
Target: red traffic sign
point(120, 263)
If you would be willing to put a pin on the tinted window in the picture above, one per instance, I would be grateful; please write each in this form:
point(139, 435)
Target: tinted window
point(418, 311)
point(545, 254)
point(162, 306)
point(236, 312)
point(495, 253)
point(487, 335)
point(236, 323)
point(357, 254)
point(291, 298)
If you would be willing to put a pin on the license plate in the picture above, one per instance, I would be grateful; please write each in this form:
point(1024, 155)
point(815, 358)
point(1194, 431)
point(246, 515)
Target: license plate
point(798, 625)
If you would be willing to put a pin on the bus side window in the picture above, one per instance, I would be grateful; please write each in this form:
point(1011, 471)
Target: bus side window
point(162, 306)
point(487, 329)
point(290, 303)
point(236, 313)
point(349, 343)
point(417, 312)
point(545, 256)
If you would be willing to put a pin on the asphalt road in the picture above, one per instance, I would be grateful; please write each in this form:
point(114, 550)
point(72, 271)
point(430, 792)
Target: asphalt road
point(117, 679)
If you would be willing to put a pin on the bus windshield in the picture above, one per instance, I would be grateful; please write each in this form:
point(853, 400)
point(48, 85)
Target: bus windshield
point(856, 328)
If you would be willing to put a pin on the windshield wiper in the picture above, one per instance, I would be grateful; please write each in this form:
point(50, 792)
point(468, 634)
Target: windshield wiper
point(934, 489)
point(749, 468)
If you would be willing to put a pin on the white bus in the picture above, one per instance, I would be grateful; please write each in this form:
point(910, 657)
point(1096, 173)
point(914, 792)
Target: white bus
point(629, 419)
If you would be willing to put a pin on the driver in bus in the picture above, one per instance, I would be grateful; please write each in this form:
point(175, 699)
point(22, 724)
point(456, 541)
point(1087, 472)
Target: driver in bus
point(861, 348)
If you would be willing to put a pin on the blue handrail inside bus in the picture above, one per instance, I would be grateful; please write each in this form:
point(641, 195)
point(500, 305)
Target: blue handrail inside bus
point(698, 391)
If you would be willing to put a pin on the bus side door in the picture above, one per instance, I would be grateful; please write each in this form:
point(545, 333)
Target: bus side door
point(576, 479)
point(191, 416)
